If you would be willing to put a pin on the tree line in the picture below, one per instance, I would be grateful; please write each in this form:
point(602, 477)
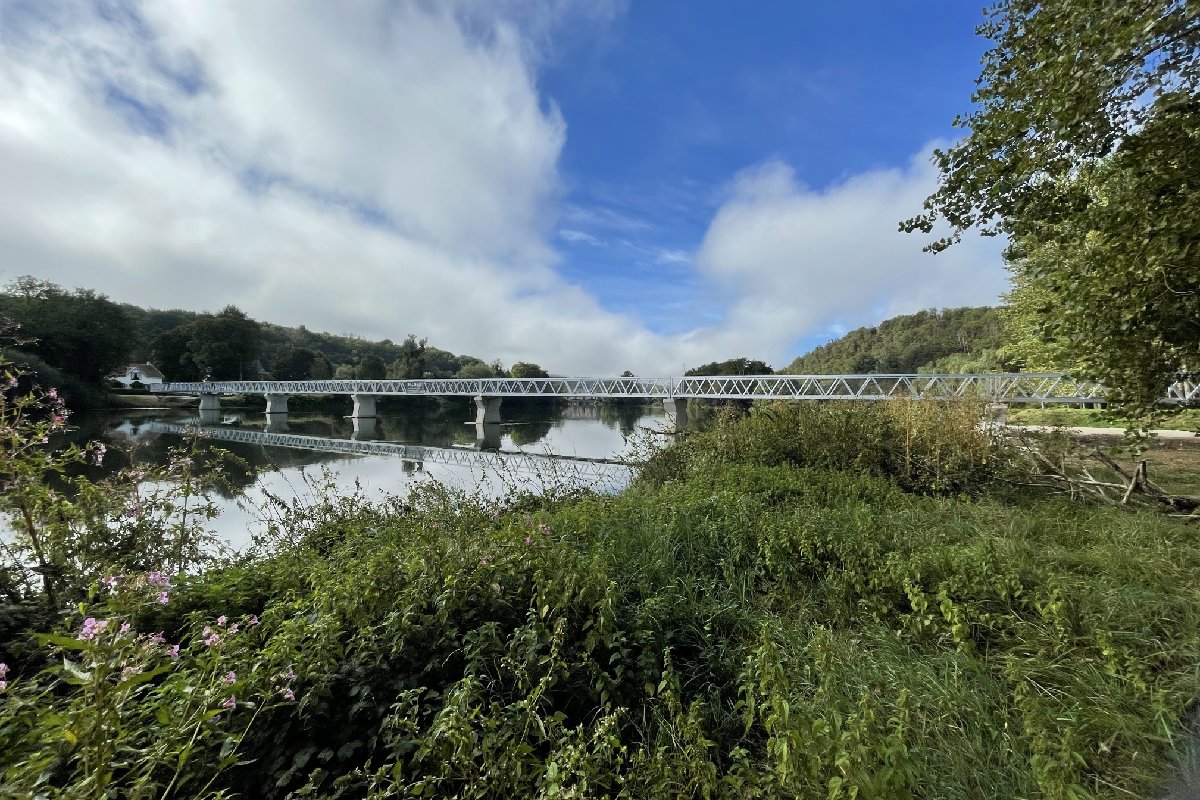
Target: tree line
point(75, 338)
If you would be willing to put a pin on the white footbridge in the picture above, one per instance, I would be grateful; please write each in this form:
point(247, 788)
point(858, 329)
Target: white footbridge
point(1022, 387)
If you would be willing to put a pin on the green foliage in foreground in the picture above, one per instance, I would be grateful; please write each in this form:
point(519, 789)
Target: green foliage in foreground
point(765, 613)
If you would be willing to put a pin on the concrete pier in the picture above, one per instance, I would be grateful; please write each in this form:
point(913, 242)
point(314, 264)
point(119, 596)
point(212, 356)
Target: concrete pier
point(210, 402)
point(677, 411)
point(209, 416)
point(364, 406)
point(487, 409)
point(276, 403)
point(276, 423)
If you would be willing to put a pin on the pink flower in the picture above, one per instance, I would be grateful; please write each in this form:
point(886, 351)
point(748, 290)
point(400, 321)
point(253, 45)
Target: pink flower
point(230, 677)
point(528, 540)
point(162, 599)
point(125, 627)
point(157, 579)
point(230, 702)
point(221, 620)
point(3, 685)
point(173, 652)
point(157, 638)
point(3, 670)
point(289, 675)
point(233, 628)
point(212, 640)
point(483, 562)
point(287, 693)
point(91, 628)
point(253, 620)
point(111, 581)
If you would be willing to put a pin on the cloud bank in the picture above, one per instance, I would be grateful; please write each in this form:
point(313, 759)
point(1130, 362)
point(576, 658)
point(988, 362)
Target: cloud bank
point(382, 168)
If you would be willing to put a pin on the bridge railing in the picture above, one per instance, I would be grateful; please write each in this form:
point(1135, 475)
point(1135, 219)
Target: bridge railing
point(1015, 387)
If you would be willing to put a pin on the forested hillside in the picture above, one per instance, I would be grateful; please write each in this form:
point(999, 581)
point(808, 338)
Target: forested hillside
point(945, 340)
point(74, 338)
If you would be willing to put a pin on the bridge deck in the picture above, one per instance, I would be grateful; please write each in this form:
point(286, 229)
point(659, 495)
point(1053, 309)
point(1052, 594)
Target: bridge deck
point(1010, 387)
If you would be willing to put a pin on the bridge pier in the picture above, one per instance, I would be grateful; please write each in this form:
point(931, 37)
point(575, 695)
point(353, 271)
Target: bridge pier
point(210, 402)
point(487, 409)
point(276, 403)
point(677, 411)
point(364, 406)
point(210, 416)
point(276, 423)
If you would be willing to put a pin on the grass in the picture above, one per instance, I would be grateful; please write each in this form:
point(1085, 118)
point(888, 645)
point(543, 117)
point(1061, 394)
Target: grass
point(808, 601)
point(1067, 416)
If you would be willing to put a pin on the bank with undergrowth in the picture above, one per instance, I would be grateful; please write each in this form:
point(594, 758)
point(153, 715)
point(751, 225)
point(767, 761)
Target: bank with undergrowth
point(808, 601)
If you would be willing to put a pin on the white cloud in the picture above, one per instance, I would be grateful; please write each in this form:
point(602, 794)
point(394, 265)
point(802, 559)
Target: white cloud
point(797, 261)
point(391, 167)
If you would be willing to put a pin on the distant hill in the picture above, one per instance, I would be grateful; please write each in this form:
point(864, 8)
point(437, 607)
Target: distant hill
point(945, 340)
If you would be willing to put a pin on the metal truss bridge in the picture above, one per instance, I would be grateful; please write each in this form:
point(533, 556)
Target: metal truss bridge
point(1026, 387)
point(594, 471)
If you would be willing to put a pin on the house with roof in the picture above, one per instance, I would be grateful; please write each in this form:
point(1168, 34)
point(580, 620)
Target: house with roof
point(145, 374)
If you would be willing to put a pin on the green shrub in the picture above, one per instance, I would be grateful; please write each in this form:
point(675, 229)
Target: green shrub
point(925, 446)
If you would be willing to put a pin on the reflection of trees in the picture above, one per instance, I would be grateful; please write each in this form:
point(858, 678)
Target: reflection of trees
point(530, 432)
point(623, 415)
point(531, 419)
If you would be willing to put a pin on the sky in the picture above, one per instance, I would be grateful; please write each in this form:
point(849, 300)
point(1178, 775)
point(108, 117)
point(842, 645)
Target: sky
point(591, 185)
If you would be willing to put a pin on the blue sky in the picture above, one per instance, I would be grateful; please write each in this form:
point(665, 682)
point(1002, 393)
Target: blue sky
point(678, 97)
point(593, 185)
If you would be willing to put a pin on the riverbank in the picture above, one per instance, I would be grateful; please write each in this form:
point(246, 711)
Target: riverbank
point(806, 601)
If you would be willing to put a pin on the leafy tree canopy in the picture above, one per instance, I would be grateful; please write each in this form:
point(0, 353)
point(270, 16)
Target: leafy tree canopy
point(1082, 150)
point(80, 332)
point(523, 369)
point(733, 366)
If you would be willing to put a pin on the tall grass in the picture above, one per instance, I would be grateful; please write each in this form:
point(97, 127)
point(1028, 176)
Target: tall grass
point(805, 602)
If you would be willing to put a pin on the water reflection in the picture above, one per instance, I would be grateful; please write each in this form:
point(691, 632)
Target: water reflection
point(537, 446)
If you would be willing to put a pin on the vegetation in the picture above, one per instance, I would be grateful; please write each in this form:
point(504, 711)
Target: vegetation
point(1080, 150)
point(808, 600)
point(946, 340)
point(733, 366)
point(74, 339)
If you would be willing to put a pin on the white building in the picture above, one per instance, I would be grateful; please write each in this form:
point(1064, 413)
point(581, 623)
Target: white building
point(145, 374)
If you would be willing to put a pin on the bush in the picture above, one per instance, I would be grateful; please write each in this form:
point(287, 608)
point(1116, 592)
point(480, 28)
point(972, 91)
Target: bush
point(925, 446)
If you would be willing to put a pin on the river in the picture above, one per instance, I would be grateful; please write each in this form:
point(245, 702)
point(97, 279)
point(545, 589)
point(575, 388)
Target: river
point(538, 445)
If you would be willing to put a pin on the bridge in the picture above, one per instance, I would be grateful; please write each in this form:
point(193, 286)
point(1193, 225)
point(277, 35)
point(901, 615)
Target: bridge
point(1023, 387)
point(594, 471)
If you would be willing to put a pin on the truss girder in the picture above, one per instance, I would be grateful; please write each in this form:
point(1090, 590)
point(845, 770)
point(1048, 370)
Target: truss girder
point(592, 469)
point(1010, 387)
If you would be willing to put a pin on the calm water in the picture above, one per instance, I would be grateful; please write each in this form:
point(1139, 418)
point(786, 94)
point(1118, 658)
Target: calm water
point(536, 445)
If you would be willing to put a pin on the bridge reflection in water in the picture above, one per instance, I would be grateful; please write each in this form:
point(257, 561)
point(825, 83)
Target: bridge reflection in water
point(600, 472)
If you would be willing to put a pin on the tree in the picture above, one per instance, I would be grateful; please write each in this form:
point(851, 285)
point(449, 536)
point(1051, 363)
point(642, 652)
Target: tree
point(524, 369)
point(83, 333)
point(1079, 150)
point(321, 368)
point(733, 366)
point(474, 368)
point(410, 363)
point(221, 345)
point(293, 363)
point(371, 368)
